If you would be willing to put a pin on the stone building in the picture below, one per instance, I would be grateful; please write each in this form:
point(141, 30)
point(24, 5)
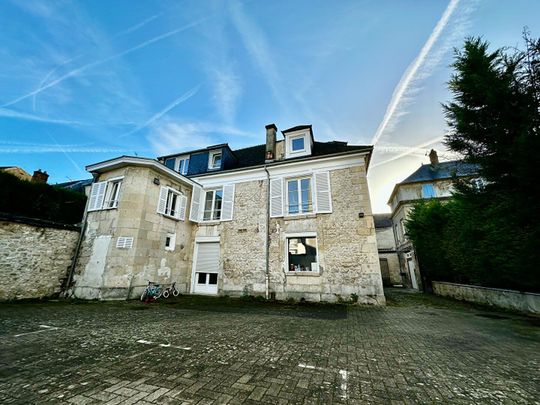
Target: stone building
point(290, 218)
point(386, 244)
point(433, 180)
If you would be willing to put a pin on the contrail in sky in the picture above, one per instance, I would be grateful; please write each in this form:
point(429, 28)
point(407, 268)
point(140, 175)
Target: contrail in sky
point(81, 69)
point(187, 95)
point(410, 150)
point(412, 70)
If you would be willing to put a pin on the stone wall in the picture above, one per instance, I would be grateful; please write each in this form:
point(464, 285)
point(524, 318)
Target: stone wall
point(495, 297)
point(107, 272)
point(35, 257)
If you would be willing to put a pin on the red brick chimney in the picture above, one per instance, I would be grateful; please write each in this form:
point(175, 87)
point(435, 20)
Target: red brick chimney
point(40, 177)
point(433, 158)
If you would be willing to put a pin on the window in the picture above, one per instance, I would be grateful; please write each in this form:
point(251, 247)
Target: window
point(299, 199)
point(172, 203)
point(170, 241)
point(428, 191)
point(112, 194)
point(212, 205)
point(302, 254)
point(403, 229)
point(183, 165)
point(105, 194)
point(297, 144)
point(170, 162)
point(214, 160)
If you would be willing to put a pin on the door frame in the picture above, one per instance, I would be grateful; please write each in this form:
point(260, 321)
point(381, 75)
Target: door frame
point(201, 239)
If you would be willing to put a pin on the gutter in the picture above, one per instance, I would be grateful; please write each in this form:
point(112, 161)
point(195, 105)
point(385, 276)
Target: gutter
point(267, 248)
point(75, 258)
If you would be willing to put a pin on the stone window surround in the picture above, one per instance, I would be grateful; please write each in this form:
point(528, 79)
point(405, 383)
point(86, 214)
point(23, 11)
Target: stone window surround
point(308, 234)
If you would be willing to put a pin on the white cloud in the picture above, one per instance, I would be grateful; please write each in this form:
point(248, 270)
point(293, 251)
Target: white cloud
point(227, 89)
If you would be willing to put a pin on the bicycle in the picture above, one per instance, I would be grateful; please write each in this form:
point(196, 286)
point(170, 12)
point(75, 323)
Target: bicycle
point(153, 291)
point(171, 290)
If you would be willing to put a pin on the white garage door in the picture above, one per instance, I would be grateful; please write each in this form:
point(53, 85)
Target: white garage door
point(205, 277)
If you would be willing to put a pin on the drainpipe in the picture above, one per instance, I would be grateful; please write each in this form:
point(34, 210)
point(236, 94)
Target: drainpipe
point(267, 250)
point(78, 247)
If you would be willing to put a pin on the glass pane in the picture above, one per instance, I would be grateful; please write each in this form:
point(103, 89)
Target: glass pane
point(208, 206)
point(212, 278)
point(184, 163)
point(305, 188)
point(174, 197)
point(302, 254)
point(298, 144)
point(216, 160)
point(201, 278)
point(217, 204)
point(292, 189)
point(170, 163)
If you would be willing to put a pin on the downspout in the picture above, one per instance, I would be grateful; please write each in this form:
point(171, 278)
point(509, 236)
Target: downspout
point(267, 249)
point(78, 247)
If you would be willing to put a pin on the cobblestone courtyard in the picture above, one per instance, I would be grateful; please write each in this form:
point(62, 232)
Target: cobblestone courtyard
point(418, 349)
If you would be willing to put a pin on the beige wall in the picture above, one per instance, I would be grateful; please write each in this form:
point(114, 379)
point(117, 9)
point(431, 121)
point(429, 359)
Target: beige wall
point(104, 271)
point(347, 247)
point(34, 260)
point(413, 191)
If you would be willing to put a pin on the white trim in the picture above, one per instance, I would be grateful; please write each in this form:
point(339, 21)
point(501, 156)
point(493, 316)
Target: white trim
point(136, 161)
point(286, 180)
point(284, 168)
point(291, 235)
point(198, 240)
point(211, 156)
point(202, 239)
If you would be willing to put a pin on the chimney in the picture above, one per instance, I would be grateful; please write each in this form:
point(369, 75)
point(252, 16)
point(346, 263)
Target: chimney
point(271, 131)
point(433, 158)
point(40, 177)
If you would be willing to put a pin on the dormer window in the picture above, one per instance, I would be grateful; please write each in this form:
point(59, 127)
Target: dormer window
point(214, 160)
point(298, 143)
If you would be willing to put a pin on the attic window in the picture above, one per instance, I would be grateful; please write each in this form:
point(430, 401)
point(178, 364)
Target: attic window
point(298, 144)
point(214, 160)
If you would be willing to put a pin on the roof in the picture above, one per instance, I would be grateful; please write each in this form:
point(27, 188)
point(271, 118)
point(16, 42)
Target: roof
point(443, 170)
point(76, 185)
point(382, 220)
point(296, 128)
point(255, 155)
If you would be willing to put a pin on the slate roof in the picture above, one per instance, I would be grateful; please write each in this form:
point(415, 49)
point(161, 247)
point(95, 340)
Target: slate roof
point(76, 185)
point(254, 155)
point(382, 220)
point(443, 170)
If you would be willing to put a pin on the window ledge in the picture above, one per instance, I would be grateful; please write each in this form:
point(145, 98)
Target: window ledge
point(212, 222)
point(300, 216)
point(303, 273)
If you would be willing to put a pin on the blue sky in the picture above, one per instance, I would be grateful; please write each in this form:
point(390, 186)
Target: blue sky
point(85, 81)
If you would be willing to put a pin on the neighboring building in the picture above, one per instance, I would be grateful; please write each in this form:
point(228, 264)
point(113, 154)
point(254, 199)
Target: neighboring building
point(386, 244)
point(17, 172)
point(287, 219)
point(79, 186)
point(433, 180)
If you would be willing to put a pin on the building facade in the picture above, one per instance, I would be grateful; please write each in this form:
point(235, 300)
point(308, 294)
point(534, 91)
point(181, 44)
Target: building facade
point(287, 219)
point(433, 180)
point(388, 257)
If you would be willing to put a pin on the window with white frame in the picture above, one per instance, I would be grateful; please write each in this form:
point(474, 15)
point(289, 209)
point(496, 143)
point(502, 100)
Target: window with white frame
point(213, 200)
point(105, 194)
point(172, 203)
point(302, 254)
point(214, 160)
point(183, 164)
point(170, 241)
point(299, 196)
point(298, 143)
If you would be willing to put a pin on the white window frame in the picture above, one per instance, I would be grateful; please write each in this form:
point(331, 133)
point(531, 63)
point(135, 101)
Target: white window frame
point(301, 235)
point(111, 201)
point(168, 205)
point(172, 241)
point(185, 167)
point(213, 191)
point(293, 138)
point(211, 157)
point(289, 152)
point(298, 179)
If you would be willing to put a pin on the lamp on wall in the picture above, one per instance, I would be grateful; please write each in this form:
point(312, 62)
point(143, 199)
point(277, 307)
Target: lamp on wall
point(156, 181)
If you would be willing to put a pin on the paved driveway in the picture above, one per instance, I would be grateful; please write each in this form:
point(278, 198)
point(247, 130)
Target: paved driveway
point(207, 351)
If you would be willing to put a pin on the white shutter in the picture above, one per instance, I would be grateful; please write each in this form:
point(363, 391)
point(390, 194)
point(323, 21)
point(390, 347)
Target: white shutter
point(97, 195)
point(207, 257)
point(323, 196)
point(228, 202)
point(276, 197)
point(124, 242)
point(195, 210)
point(162, 202)
point(181, 211)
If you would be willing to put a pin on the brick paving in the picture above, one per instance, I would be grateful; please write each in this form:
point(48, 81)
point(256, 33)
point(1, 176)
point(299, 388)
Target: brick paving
point(418, 349)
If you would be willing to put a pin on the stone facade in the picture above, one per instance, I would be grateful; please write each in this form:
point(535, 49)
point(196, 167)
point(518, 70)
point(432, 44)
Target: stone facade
point(107, 272)
point(34, 259)
point(390, 268)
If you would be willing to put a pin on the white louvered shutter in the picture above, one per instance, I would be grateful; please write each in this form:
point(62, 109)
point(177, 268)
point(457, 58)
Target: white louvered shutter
point(181, 211)
point(195, 210)
point(207, 257)
point(323, 196)
point(97, 195)
point(228, 202)
point(162, 202)
point(276, 197)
